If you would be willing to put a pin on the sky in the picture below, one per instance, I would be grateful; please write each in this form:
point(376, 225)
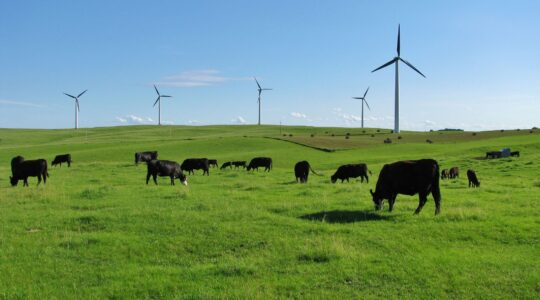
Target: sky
point(480, 59)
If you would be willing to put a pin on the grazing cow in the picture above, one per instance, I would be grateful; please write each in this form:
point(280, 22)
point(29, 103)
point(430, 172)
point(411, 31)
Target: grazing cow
point(191, 164)
point(514, 153)
point(429, 141)
point(239, 163)
point(212, 163)
point(473, 180)
point(62, 158)
point(444, 174)
point(453, 173)
point(257, 162)
point(493, 154)
point(145, 156)
point(301, 171)
point(409, 178)
point(22, 169)
point(345, 172)
point(165, 168)
point(225, 165)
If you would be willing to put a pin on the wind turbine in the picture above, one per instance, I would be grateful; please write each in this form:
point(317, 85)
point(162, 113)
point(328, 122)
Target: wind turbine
point(396, 60)
point(363, 98)
point(77, 109)
point(158, 102)
point(260, 89)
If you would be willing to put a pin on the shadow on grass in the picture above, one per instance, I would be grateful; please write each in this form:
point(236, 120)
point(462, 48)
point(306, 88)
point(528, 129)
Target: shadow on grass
point(345, 216)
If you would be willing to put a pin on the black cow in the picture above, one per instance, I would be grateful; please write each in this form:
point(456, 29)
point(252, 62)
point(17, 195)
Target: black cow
point(345, 172)
point(514, 153)
point(301, 171)
point(493, 154)
point(22, 169)
point(473, 180)
point(257, 162)
point(191, 164)
point(239, 163)
point(225, 165)
point(62, 158)
point(453, 173)
point(165, 168)
point(145, 156)
point(408, 178)
point(212, 163)
point(444, 174)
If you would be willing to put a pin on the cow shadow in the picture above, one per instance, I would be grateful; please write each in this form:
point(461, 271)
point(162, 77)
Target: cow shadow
point(345, 216)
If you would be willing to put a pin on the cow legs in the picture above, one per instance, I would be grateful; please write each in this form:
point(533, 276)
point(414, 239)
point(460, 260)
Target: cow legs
point(422, 202)
point(25, 181)
point(391, 202)
point(147, 177)
point(39, 179)
point(154, 176)
point(45, 178)
point(172, 180)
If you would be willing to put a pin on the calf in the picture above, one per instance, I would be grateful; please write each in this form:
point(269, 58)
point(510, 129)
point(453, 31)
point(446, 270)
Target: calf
point(473, 180)
point(22, 169)
point(409, 178)
point(257, 162)
point(226, 165)
point(453, 173)
point(301, 171)
point(165, 168)
point(191, 164)
point(212, 163)
point(239, 163)
point(145, 156)
point(62, 158)
point(444, 174)
point(345, 172)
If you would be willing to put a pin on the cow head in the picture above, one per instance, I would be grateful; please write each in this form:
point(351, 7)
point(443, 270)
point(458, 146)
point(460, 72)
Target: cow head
point(249, 168)
point(183, 179)
point(377, 200)
point(13, 181)
point(333, 178)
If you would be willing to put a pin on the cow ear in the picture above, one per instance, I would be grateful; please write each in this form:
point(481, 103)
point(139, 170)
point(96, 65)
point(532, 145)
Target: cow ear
point(371, 191)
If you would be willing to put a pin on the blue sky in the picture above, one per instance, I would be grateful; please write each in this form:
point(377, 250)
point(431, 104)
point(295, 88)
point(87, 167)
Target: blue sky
point(480, 59)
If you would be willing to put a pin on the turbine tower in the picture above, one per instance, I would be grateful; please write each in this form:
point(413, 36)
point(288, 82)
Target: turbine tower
point(396, 60)
point(158, 102)
point(260, 89)
point(363, 98)
point(77, 109)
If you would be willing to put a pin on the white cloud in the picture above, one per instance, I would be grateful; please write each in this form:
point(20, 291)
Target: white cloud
point(239, 120)
point(19, 103)
point(429, 123)
point(193, 122)
point(298, 115)
point(196, 78)
point(132, 119)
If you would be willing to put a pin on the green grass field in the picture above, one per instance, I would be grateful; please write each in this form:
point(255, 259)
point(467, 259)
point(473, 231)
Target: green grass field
point(96, 230)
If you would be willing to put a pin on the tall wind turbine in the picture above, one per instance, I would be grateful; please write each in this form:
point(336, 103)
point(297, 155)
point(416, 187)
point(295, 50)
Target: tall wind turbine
point(395, 61)
point(77, 109)
point(260, 89)
point(363, 98)
point(158, 102)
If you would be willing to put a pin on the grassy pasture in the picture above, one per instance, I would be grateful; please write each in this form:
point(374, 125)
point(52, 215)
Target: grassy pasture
point(95, 230)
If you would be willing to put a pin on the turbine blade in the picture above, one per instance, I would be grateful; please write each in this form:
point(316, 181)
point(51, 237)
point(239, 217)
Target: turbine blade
point(156, 89)
point(386, 64)
point(82, 93)
point(156, 101)
point(366, 92)
point(398, 39)
point(166, 96)
point(266, 89)
point(409, 64)
point(70, 96)
point(358, 98)
point(257, 83)
point(366, 104)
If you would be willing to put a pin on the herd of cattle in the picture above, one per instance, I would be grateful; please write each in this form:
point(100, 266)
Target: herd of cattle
point(403, 177)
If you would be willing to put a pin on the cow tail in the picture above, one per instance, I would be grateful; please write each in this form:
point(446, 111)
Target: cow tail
point(313, 171)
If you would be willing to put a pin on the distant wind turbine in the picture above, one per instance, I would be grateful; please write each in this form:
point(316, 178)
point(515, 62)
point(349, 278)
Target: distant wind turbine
point(363, 98)
point(260, 89)
point(77, 109)
point(158, 102)
point(396, 60)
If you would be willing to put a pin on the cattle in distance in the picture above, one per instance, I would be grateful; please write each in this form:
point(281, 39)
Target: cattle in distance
point(473, 180)
point(259, 162)
point(191, 164)
point(301, 171)
point(62, 158)
point(145, 156)
point(165, 168)
point(345, 172)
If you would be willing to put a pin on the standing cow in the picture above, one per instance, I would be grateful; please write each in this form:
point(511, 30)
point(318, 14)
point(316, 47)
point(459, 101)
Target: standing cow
point(191, 164)
point(226, 165)
point(444, 174)
point(409, 178)
point(145, 156)
point(301, 171)
point(473, 180)
point(212, 163)
point(62, 158)
point(257, 162)
point(453, 173)
point(165, 168)
point(22, 169)
point(345, 172)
